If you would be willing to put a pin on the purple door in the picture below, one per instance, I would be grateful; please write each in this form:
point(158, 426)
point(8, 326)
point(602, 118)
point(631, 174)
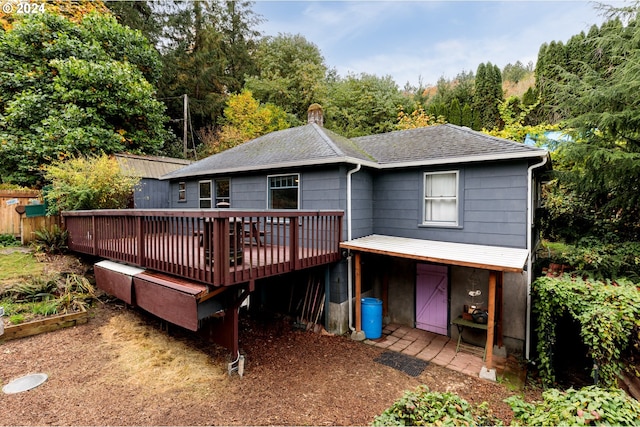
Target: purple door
point(432, 298)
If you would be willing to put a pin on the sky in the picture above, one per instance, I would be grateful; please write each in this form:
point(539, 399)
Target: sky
point(422, 40)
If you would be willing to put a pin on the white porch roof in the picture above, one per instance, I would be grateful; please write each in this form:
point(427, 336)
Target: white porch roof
point(494, 258)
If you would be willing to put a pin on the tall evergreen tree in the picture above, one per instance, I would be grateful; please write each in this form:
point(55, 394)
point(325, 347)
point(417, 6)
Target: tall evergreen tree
point(467, 116)
point(207, 48)
point(138, 15)
point(488, 95)
point(603, 162)
point(455, 112)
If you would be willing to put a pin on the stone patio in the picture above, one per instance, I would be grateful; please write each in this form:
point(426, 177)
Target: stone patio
point(440, 350)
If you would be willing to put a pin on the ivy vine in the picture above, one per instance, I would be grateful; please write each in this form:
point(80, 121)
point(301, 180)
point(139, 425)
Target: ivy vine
point(608, 314)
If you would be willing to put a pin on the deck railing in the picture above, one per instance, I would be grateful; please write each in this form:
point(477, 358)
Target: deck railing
point(218, 247)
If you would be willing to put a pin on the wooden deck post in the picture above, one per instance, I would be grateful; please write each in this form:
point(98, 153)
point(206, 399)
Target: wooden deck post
point(358, 273)
point(491, 318)
point(140, 236)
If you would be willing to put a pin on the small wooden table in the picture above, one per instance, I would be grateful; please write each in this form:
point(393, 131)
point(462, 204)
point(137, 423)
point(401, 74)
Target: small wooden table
point(461, 324)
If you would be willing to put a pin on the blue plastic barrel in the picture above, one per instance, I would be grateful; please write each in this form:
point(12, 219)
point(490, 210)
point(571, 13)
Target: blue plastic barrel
point(372, 318)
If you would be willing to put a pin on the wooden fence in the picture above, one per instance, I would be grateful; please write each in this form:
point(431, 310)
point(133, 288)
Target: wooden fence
point(13, 222)
point(9, 217)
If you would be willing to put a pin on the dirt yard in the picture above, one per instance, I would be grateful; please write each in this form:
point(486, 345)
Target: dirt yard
point(123, 368)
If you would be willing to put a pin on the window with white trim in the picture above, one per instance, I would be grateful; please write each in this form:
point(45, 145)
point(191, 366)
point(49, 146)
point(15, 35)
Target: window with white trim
point(205, 194)
point(283, 191)
point(182, 191)
point(441, 198)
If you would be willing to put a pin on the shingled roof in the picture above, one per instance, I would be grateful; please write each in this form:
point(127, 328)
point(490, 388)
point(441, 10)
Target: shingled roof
point(148, 166)
point(314, 145)
point(299, 146)
point(442, 144)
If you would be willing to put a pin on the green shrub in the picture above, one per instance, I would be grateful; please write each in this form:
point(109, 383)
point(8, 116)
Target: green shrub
point(16, 319)
point(88, 183)
point(590, 405)
point(45, 308)
point(598, 259)
point(422, 407)
point(51, 241)
point(608, 314)
point(7, 240)
point(46, 296)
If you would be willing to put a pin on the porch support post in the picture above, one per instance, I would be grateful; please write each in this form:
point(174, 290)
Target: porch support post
point(491, 318)
point(358, 273)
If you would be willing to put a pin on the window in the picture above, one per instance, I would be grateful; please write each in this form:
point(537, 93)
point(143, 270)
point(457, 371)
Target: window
point(182, 191)
point(441, 198)
point(222, 193)
point(205, 194)
point(283, 191)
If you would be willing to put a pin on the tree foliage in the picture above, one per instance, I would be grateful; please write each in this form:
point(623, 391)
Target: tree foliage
point(364, 104)
point(513, 115)
point(139, 15)
point(599, 97)
point(72, 88)
point(418, 118)
point(245, 119)
point(488, 95)
point(74, 10)
point(207, 49)
point(88, 183)
point(291, 74)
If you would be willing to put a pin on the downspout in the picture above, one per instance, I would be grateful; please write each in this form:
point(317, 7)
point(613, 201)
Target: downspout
point(349, 257)
point(529, 249)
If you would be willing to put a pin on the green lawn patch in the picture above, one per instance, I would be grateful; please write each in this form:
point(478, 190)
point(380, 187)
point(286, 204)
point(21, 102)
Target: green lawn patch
point(18, 265)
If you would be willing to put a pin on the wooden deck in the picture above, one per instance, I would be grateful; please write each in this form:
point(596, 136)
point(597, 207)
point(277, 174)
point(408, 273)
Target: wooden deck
point(219, 247)
point(187, 266)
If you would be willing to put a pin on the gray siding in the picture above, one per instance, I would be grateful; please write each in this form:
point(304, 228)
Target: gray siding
point(191, 192)
point(361, 203)
point(493, 202)
point(248, 192)
point(151, 193)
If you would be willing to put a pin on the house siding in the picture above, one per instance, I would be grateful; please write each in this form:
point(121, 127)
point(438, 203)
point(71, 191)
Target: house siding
point(361, 203)
point(492, 205)
point(152, 194)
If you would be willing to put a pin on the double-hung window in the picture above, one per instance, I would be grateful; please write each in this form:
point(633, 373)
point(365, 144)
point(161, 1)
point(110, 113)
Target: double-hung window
point(283, 191)
point(182, 192)
point(441, 198)
point(205, 194)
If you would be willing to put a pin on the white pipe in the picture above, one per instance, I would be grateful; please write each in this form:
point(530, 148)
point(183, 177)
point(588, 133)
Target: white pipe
point(349, 261)
point(529, 249)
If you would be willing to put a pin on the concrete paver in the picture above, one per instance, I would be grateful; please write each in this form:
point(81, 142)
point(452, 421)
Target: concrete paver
point(438, 349)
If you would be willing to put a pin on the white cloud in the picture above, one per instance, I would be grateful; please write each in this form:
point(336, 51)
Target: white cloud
point(409, 39)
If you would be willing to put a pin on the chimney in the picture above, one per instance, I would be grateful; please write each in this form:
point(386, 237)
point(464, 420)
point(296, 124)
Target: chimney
point(314, 115)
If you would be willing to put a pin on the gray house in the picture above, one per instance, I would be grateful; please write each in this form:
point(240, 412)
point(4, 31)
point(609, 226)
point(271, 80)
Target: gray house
point(437, 219)
point(150, 192)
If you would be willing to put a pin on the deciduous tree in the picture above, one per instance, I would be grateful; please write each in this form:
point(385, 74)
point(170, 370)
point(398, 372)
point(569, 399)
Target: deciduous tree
point(362, 104)
point(70, 88)
point(291, 74)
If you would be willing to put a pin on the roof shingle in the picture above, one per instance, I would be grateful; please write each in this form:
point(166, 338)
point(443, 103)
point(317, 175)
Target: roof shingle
point(311, 145)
